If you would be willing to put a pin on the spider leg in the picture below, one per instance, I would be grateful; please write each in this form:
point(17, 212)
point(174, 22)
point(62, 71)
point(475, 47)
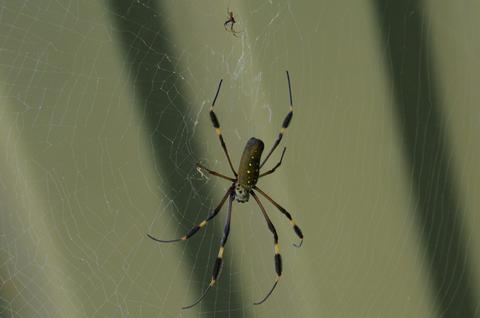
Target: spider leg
point(196, 228)
point(226, 23)
point(235, 33)
point(285, 124)
point(218, 262)
point(275, 167)
point(286, 213)
point(218, 130)
point(202, 167)
point(278, 257)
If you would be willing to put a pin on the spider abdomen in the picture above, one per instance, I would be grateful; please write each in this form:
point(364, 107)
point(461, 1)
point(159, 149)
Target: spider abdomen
point(250, 163)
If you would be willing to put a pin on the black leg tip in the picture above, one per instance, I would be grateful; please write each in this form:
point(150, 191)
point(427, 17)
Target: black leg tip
point(298, 245)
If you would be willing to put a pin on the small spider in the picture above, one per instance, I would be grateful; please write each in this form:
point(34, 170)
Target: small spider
point(243, 185)
point(231, 20)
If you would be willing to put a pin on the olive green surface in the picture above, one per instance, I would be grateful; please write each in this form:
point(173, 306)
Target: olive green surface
point(104, 113)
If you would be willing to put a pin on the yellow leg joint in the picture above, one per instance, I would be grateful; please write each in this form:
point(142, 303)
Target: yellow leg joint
point(277, 249)
point(220, 252)
point(203, 224)
point(218, 131)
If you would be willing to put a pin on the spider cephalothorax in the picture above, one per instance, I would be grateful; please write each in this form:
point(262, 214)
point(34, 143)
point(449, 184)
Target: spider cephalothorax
point(244, 184)
point(241, 193)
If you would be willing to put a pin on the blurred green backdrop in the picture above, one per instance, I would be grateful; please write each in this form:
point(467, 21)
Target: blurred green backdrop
point(104, 113)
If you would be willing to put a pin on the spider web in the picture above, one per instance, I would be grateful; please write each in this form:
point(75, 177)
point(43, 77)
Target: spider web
point(104, 113)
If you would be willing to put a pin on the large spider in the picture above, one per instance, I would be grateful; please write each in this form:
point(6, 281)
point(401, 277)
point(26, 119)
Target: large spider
point(244, 185)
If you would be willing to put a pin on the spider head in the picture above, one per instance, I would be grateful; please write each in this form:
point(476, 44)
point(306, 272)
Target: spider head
point(241, 193)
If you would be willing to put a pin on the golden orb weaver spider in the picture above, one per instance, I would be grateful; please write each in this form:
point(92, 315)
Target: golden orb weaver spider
point(231, 20)
point(244, 185)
